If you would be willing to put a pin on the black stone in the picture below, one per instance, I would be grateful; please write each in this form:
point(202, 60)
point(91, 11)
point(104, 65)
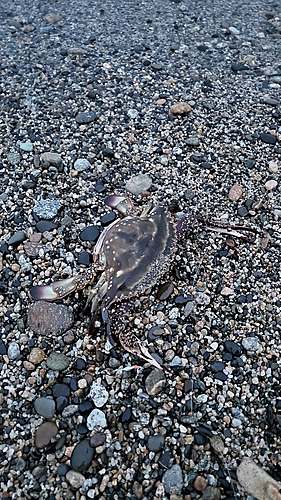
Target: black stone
point(80, 364)
point(4, 248)
point(98, 439)
point(232, 347)
point(200, 439)
point(85, 258)
point(188, 385)
point(241, 299)
point(81, 429)
point(63, 469)
point(73, 384)
point(61, 390)
point(61, 403)
point(227, 356)
point(108, 218)
point(196, 159)
point(249, 203)
point(242, 211)
point(82, 456)
point(220, 376)
point(165, 459)
point(217, 366)
point(86, 407)
point(206, 165)
point(227, 433)
point(86, 117)
point(3, 349)
point(155, 443)
point(99, 187)
point(249, 163)
point(126, 416)
point(90, 233)
point(181, 299)
point(205, 431)
point(108, 152)
point(45, 225)
point(268, 138)
point(238, 67)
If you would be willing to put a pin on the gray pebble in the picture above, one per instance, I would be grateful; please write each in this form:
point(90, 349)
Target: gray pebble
point(96, 419)
point(173, 480)
point(155, 382)
point(75, 479)
point(14, 158)
point(17, 237)
point(192, 141)
point(4, 197)
point(69, 410)
point(270, 101)
point(86, 117)
point(201, 298)
point(188, 308)
point(13, 350)
point(251, 344)
point(52, 158)
point(45, 407)
point(82, 164)
point(57, 361)
point(26, 146)
point(47, 209)
point(98, 394)
point(139, 183)
point(236, 422)
point(155, 443)
point(132, 113)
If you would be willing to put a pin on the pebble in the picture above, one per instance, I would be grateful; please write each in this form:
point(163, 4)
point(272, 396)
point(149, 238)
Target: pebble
point(211, 493)
point(226, 291)
point(45, 407)
point(17, 237)
point(36, 355)
point(236, 422)
point(200, 483)
point(201, 298)
point(96, 419)
point(270, 185)
point(86, 117)
point(155, 382)
point(75, 479)
point(82, 456)
point(155, 443)
point(165, 290)
point(217, 444)
point(235, 193)
point(26, 146)
point(98, 394)
point(52, 158)
point(251, 344)
point(138, 184)
point(268, 138)
point(57, 361)
point(273, 166)
point(44, 318)
point(271, 101)
point(180, 108)
point(132, 113)
point(90, 233)
point(13, 351)
point(97, 439)
point(47, 209)
point(45, 433)
point(14, 158)
point(173, 480)
point(192, 141)
point(82, 164)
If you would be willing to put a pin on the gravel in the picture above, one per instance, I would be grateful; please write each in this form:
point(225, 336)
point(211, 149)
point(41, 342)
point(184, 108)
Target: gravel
point(177, 103)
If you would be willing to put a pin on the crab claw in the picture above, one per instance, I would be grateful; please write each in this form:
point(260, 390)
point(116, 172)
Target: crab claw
point(55, 291)
point(120, 203)
point(132, 344)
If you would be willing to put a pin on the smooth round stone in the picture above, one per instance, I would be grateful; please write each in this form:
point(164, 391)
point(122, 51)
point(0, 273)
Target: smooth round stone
point(192, 141)
point(155, 332)
point(220, 376)
point(180, 108)
point(238, 67)
point(61, 390)
point(45, 225)
point(173, 480)
point(251, 344)
point(242, 211)
point(232, 347)
point(270, 185)
point(85, 258)
point(47, 209)
point(82, 164)
point(96, 419)
point(108, 218)
point(138, 183)
point(14, 158)
point(3, 349)
point(63, 469)
point(26, 146)
point(217, 366)
point(75, 479)
point(80, 364)
point(45, 433)
point(236, 422)
point(189, 194)
point(108, 152)
point(155, 443)
point(13, 351)
point(156, 66)
point(98, 394)
point(132, 113)
point(85, 407)
point(155, 382)
point(270, 100)
point(36, 355)
point(90, 233)
point(86, 117)
point(82, 456)
point(188, 309)
point(44, 317)
point(97, 439)
point(52, 158)
point(268, 138)
point(57, 361)
point(17, 237)
point(235, 192)
point(45, 407)
point(165, 290)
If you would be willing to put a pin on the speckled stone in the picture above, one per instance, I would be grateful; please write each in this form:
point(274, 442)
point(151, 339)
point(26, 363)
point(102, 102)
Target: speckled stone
point(57, 361)
point(98, 394)
point(36, 355)
point(138, 183)
point(52, 158)
point(235, 192)
point(47, 209)
point(155, 382)
point(75, 479)
point(82, 164)
point(44, 317)
point(86, 117)
point(180, 108)
point(96, 419)
point(173, 480)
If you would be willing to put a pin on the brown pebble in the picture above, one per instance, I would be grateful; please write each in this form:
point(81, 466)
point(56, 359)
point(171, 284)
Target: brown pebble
point(235, 192)
point(165, 290)
point(36, 355)
point(269, 185)
point(45, 433)
point(32, 248)
point(44, 317)
point(200, 483)
point(160, 102)
point(180, 108)
point(35, 237)
point(28, 366)
point(226, 291)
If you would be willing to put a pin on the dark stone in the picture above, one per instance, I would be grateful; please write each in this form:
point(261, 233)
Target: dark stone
point(249, 163)
point(81, 429)
point(232, 347)
point(238, 67)
point(99, 187)
point(61, 390)
point(205, 431)
point(165, 290)
point(188, 385)
point(4, 248)
point(86, 407)
point(90, 233)
point(80, 364)
point(165, 459)
point(3, 349)
point(155, 443)
point(217, 366)
point(242, 299)
point(85, 258)
point(181, 300)
point(268, 138)
point(242, 211)
point(17, 237)
point(86, 117)
point(108, 152)
point(126, 416)
point(63, 469)
point(220, 376)
point(98, 439)
point(200, 439)
point(45, 225)
point(108, 218)
point(82, 456)
point(61, 403)
point(206, 165)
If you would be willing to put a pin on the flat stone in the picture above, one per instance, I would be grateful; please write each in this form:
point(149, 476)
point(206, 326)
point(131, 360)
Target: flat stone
point(96, 419)
point(13, 351)
point(271, 101)
point(235, 192)
point(155, 443)
point(180, 108)
point(201, 298)
point(14, 158)
point(52, 158)
point(57, 361)
point(36, 355)
point(82, 164)
point(86, 117)
point(251, 344)
point(32, 248)
point(47, 209)
point(217, 444)
point(271, 184)
point(90, 233)
point(44, 318)
point(75, 479)
point(82, 456)
point(173, 480)
point(211, 493)
point(69, 410)
point(26, 146)
point(138, 183)
point(192, 141)
point(268, 138)
point(98, 394)
point(45, 433)
point(155, 382)
point(45, 225)
point(45, 407)
point(17, 237)
point(97, 439)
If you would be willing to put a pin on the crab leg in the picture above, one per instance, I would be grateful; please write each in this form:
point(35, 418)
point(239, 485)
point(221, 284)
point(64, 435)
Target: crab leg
point(219, 226)
point(61, 288)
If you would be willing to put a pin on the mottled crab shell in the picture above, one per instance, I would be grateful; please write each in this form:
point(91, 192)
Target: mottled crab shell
point(137, 252)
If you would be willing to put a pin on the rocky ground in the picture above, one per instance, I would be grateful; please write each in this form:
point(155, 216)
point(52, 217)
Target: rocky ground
point(87, 96)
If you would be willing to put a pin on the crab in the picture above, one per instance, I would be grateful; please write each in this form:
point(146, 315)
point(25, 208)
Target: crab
point(132, 255)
